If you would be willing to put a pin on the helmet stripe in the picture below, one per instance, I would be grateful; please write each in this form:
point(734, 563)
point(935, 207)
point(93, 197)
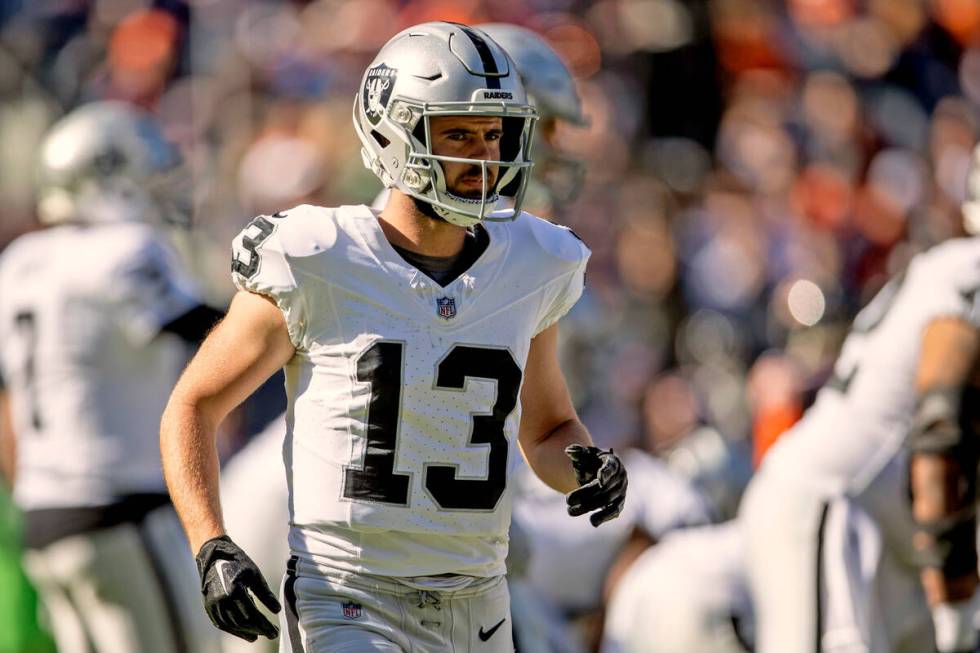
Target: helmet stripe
point(486, 56)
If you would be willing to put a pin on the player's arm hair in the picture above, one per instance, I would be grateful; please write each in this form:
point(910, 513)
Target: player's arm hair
point(8, 443)
point(944, 447)
point(549, 422)
point(194, 325)
point(244, 350)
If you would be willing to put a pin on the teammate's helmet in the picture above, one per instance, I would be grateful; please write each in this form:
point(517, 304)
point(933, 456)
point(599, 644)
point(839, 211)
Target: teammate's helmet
point(440, 69)
point(551, 89)
point(548, 83)
point(109, 161)
point(971, 207)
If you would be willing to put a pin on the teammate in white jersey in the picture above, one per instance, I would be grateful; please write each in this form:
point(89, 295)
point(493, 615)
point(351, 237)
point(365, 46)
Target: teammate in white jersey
point(687, 594)
point(419, 345)
point(828, 522)
point(94, 315)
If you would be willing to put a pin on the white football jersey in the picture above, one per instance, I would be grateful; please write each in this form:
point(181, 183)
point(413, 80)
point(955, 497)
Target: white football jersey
point(403, 394)
point(80, 309)
point(862, 416)
point(658, 501)
point(687, 594)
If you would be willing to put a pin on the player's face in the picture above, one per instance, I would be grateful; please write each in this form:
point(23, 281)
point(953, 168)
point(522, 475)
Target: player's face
point(470, 137)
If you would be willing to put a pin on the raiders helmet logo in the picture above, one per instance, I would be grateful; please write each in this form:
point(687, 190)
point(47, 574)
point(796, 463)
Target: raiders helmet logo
point(377, 91)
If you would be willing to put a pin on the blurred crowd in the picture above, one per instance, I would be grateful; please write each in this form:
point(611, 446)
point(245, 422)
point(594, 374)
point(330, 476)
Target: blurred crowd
point(753, 170)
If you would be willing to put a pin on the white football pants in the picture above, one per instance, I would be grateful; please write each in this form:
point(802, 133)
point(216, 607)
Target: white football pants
point(131, 588)
point(359, 614)
point(833, 573)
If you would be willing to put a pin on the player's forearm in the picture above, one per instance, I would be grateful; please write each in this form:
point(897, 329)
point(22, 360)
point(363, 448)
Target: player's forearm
point(944, 450)
point(545, 454)
point(190, 467)
point(8, 444)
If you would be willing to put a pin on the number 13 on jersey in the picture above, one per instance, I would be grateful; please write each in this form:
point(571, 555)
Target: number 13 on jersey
point(376, 480)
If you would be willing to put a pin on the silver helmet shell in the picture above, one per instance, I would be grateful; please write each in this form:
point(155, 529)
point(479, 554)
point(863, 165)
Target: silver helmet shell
point(546, 78)
point(106, 162)
point(441, 69)
point(971, 205)
point(551, 89)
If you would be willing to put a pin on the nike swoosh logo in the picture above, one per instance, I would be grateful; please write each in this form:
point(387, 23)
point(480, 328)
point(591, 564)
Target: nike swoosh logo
point(220, 567)
point(484, 636)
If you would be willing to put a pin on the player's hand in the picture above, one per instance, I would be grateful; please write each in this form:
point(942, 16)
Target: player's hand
point(953, 623)
point(227, 577)
point(602, 483)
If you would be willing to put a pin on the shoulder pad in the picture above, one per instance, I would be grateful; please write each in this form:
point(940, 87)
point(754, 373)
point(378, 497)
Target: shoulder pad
point(556, 240)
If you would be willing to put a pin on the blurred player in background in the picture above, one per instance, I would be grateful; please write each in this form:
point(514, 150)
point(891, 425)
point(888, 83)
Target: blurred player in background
point(95, 317)
point(420, 346)
point(687, 594)
point(828, 521)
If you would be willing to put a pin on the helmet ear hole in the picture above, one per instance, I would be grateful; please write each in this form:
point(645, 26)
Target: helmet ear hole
point(379, 138)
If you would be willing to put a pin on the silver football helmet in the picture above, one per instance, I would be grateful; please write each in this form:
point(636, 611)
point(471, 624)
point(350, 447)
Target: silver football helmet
point(551, 89)
point(109, 161)
point(971, 206)
point(548, 83)
point(441, 69)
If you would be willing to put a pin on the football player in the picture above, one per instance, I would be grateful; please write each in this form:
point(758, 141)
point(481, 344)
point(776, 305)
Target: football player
point(687, 594)
point(419, 345)
point(248, 481)
point(94, 316)
point(828, 524)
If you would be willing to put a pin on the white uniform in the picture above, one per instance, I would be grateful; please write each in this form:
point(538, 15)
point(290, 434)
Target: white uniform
point(569, 558)
point(403, 395)
point(828, 521)
point(687, 594)
point(80, 311)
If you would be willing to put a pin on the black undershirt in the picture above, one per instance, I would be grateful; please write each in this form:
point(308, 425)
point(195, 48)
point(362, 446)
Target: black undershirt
point(446, 269)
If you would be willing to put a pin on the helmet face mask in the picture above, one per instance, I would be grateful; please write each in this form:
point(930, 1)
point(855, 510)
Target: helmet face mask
point(435, 70)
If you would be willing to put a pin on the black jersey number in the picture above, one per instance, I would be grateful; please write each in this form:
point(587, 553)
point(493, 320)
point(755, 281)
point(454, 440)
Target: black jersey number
point(381, 366)
point(27, 328)
point(251, 245)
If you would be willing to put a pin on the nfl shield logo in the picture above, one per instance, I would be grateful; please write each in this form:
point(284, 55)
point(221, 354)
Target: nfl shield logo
point(352, 610)
point(447, 307)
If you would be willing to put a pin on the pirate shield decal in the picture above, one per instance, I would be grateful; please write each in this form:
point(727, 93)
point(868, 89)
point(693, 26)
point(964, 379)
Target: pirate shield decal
point(377, 91)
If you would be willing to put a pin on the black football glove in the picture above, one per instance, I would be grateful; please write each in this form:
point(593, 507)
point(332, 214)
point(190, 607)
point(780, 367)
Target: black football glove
point(227, 576)
point(602, 483)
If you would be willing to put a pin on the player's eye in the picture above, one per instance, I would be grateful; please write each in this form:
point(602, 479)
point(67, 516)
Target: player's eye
point(493, 136)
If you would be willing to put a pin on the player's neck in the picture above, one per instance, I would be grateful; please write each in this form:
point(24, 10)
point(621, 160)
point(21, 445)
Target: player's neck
point(407, 227)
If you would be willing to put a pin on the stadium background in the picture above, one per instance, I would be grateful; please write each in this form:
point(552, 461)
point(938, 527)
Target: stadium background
point(754, 170)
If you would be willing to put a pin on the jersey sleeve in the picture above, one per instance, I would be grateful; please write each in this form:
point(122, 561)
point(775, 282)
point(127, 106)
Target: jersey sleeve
point(951, 281)
point(150, 289)
point(260, 264)
point(570, 256)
